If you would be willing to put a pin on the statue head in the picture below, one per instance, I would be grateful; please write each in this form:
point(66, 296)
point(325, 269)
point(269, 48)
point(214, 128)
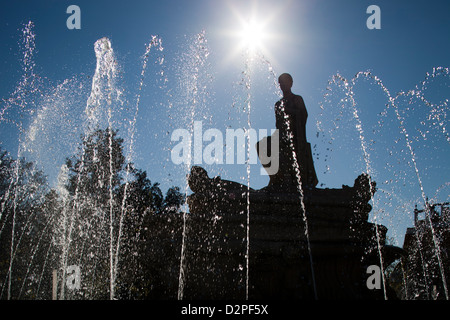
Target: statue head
point(285, 80)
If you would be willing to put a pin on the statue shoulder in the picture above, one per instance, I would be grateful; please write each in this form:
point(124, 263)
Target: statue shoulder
point(277, 106)
point(299, 102)
point(298, 98)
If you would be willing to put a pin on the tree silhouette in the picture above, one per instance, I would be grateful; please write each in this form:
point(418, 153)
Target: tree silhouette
point(108, 201)
point(22, 224)
point(97, 218)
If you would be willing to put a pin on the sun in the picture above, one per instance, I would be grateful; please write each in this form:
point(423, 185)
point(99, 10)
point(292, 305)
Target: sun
point(252, 36)
point(253, 31)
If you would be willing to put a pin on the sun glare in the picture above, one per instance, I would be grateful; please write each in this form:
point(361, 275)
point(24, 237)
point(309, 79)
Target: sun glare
point(254, 30)
point(252, 36)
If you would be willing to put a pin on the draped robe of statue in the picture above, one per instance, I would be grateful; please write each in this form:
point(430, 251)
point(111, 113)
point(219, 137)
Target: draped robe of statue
point(290, 117)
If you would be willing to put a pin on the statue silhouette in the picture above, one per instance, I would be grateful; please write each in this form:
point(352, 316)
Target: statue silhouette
point(290, 120)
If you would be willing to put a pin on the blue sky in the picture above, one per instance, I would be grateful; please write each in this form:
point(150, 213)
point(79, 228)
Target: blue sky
point(312, 40)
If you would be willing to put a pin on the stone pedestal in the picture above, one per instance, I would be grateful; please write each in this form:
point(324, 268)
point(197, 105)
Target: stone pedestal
point(339, 243)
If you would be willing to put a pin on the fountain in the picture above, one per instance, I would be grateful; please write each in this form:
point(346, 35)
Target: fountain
point(420, 244)
point(289, 240)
